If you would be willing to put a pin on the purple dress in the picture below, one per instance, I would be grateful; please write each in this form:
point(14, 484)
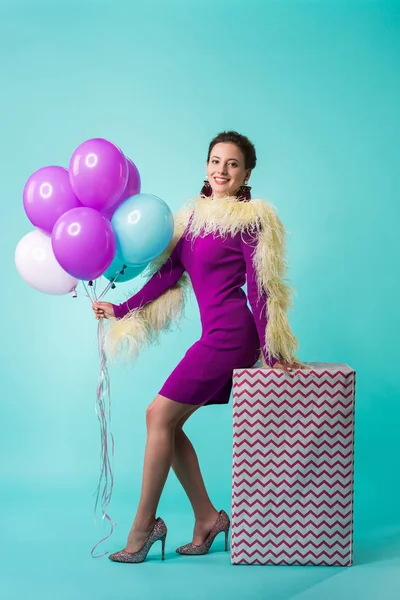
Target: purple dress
point(232, 335)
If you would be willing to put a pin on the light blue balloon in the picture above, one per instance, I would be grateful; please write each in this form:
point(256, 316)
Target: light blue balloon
point(144, 225)
point(113, 272)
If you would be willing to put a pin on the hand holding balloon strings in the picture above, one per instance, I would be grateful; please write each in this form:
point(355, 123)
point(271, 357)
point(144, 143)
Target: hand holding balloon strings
point(103, 310)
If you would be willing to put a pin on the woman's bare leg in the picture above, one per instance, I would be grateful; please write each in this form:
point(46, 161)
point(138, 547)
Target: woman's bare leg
point(186, 467)
point(162, 417)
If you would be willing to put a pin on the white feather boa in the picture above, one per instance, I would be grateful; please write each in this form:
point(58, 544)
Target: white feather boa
point(222, 217)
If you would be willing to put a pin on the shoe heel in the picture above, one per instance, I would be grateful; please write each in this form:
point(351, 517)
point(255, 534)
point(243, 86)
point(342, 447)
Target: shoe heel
point(163, 547)
point(226, 539)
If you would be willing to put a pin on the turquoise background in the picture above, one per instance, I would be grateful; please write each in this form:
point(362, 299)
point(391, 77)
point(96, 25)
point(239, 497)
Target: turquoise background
point(315, 85)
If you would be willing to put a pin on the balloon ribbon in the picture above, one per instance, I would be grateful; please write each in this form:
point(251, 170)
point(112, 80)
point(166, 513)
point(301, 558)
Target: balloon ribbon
point(103, 411)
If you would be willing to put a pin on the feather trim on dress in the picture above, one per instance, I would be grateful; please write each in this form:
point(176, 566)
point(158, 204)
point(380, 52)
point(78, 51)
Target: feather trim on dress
point(140, 328)
point(221, 217)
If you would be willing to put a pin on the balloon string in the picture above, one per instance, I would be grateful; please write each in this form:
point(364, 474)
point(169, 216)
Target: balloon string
point(110, 284)
point(81, 294)
point(105, 483)
point(103, 411)
point(104, 292)
point(87, 292)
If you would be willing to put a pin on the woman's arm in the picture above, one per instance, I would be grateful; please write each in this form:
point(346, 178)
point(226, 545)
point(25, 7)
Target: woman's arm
point(162, 280)
point(258, 303)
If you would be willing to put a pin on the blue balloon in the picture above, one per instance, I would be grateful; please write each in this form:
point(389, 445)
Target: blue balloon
point(144, 225)
point(118, 271)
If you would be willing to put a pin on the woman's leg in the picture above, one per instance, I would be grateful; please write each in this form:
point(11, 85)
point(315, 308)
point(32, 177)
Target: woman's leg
point(186, 467)
point(162, 417)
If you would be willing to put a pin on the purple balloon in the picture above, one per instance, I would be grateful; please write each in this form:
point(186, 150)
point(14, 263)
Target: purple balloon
point(133, 184)
point(98, 173)
point(132, 188)
point(84, 243)
point(48, 195)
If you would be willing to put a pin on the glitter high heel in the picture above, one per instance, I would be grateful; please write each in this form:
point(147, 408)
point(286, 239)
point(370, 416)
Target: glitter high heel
point(158, 533)
point(221, 525)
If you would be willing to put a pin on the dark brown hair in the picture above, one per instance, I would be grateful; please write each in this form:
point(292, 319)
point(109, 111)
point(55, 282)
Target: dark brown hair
point(241, 141)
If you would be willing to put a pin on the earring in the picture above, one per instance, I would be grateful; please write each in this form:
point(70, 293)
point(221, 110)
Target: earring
point(243, 192)
point(206, 190)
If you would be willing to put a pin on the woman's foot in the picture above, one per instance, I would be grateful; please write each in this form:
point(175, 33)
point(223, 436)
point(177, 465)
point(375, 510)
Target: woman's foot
point(138, 535)
point(157, 533)
point(197, 547)
point(202, 527)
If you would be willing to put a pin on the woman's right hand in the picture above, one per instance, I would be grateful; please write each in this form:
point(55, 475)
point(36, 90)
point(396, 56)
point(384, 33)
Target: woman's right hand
point(103, 310)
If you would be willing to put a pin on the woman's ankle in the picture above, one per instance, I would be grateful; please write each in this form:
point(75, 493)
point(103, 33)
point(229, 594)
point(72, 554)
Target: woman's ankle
point(204, 516)
point(143, 523)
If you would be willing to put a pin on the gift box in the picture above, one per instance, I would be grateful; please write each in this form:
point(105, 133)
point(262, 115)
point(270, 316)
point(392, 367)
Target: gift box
point(293, 466)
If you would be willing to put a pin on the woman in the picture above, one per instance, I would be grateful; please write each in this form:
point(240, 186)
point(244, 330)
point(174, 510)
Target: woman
point(223, 239)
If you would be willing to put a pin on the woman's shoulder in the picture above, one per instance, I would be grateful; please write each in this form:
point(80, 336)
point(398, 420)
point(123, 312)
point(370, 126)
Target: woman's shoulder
point(227, 215)
point(255, 214)
point(255, 209)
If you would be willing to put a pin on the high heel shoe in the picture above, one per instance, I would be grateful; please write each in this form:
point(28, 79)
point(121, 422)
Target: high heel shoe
point(158, 533)
point(221, 525)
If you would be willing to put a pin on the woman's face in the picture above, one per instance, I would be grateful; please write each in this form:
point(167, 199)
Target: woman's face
point(225, 169)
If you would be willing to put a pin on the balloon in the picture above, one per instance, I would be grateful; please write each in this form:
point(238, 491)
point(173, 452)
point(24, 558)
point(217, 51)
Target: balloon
point(37, 265)
point(132, 188)
point(113, 272)
point(84, 243)
point(144, 226)
point(133, 184)
point(98, 173)
point(47, 195)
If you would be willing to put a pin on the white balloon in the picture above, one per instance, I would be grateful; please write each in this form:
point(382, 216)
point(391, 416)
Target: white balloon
point(37, 265)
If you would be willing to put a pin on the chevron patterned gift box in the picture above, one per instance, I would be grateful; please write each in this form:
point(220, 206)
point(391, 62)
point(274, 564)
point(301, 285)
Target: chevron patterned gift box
point(292, 492)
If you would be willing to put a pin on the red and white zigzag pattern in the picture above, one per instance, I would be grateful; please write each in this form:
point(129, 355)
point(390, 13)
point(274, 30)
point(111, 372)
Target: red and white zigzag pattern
point(292, 493)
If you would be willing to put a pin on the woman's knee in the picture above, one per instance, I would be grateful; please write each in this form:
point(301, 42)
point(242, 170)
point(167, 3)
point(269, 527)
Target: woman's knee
point(159, 415)
point(153, 415)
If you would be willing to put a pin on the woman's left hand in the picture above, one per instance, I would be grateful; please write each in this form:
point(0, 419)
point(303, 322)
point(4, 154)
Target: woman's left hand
point(103, 310)
point(285, 366)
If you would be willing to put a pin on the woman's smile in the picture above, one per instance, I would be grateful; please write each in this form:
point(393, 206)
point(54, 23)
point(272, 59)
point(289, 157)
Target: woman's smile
point(221, 180)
